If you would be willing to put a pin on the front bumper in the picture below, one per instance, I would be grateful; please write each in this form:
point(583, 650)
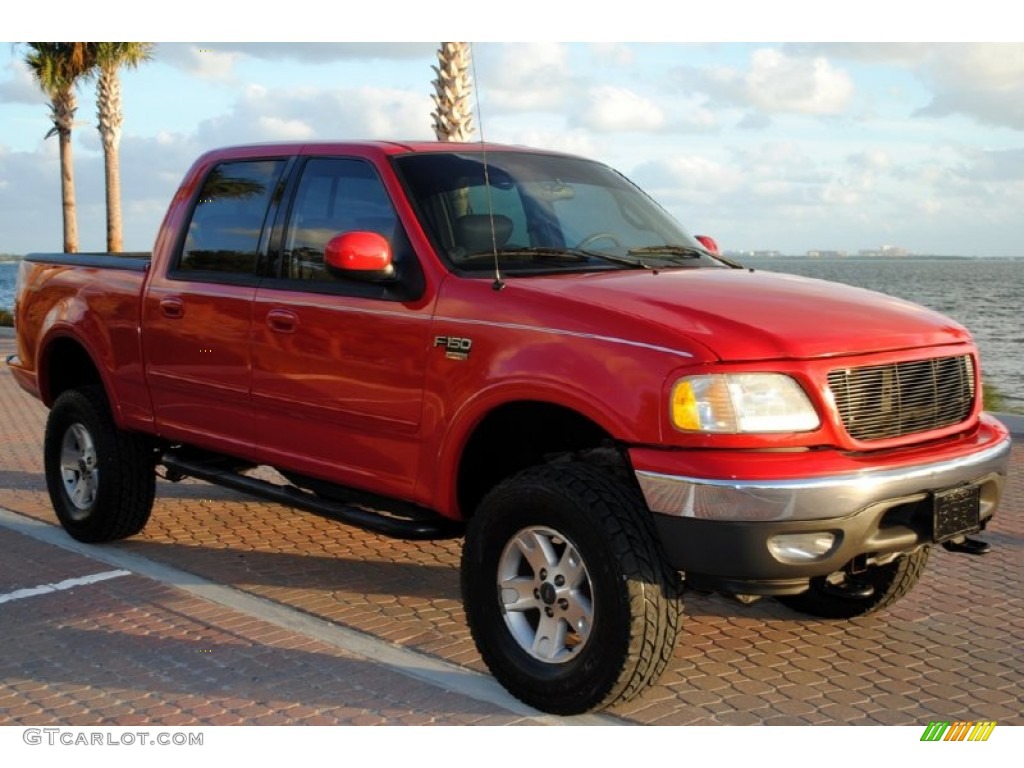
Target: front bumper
point(717, 529)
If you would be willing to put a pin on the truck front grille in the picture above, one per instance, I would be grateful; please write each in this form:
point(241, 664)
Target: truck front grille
point(878, 402)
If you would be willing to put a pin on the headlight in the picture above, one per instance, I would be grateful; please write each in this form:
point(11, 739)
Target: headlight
point(741, 402)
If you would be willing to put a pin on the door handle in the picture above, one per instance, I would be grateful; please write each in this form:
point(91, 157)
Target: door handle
point(172, 307)
point(282, 320)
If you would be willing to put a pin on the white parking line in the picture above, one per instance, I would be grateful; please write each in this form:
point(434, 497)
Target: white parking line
point(415, 664)
point(45, 589)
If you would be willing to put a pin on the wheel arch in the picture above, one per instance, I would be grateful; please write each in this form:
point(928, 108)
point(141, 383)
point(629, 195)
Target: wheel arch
point(65, 362)
point(515, 435)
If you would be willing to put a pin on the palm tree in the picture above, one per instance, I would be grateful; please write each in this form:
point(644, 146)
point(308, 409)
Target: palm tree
point(110, 58)
point(453, 116)
point(56, 68)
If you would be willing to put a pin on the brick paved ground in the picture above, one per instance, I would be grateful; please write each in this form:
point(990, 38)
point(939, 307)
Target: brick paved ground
point(953, 649)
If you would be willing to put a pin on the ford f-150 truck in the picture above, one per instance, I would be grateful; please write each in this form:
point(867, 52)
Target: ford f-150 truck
point(519, 346)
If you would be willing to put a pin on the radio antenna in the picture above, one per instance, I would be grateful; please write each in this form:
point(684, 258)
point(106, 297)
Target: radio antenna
point(498, 283)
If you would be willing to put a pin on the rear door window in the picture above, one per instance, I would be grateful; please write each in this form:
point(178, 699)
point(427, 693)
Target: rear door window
point(229, 218)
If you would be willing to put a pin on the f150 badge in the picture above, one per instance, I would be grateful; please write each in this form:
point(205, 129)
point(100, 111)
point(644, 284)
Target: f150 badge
point(455, 347)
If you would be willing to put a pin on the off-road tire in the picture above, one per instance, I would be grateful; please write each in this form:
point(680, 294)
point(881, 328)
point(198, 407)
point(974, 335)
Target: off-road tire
point(110, 494)
point(631, 597)
point(891, 582)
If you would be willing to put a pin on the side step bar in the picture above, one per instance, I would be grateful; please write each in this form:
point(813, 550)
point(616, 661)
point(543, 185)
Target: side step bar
point(425, 526)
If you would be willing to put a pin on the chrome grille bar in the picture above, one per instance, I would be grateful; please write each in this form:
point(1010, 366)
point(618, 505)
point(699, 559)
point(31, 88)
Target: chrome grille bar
point(879, 402)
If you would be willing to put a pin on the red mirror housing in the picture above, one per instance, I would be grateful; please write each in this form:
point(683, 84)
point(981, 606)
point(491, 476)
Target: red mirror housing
point(709, 243)
point(366, 254)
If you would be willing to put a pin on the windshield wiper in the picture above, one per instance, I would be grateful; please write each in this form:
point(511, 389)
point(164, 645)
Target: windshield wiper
point(578, 255)
point(684, 252)
point(681, 251)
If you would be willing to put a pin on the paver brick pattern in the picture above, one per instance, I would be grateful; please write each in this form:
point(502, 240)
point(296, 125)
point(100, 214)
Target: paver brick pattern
point(952, 649)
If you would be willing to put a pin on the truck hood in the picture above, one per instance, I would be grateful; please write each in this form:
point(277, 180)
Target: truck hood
point(753, 315)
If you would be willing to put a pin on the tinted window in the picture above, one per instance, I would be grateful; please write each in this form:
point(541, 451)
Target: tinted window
point(334, 196)
point(224, 234)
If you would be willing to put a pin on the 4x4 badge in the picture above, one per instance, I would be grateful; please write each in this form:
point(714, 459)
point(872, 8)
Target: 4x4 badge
point(455, 347)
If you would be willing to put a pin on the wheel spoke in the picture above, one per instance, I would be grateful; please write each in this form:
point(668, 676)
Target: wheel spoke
point(536, 548)
point(69, 456)
point(571, 567)
point(82, 491)
point(579, 614)
point(517, 594)
point(549, 642)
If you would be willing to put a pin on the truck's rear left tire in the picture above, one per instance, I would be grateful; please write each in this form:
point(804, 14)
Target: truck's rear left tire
point(568, 597)
point(101, 480)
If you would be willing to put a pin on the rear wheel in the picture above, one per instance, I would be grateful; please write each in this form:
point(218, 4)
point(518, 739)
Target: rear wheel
point(827, 599)
point(101, 481)
point(568, 597)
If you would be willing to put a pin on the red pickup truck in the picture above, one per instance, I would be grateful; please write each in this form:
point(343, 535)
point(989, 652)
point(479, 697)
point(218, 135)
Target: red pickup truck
point(436, 339)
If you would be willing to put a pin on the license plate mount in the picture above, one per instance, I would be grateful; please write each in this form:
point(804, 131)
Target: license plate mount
point(956, 512)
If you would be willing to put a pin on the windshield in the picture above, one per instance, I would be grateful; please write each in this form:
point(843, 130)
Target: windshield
point(542, 213)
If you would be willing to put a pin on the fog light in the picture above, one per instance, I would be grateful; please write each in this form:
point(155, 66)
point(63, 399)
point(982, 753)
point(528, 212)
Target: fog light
point(797, 548)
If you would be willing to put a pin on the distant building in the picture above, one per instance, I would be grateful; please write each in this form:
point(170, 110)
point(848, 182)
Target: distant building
point(886, 251)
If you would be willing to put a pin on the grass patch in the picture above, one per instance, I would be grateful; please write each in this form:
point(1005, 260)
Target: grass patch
point(995, 401)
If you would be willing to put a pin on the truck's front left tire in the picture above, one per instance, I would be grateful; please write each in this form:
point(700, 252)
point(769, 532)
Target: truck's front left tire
point(568, 597)
point(101, 480)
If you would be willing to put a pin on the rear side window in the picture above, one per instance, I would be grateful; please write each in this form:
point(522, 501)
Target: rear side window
point(228, 219)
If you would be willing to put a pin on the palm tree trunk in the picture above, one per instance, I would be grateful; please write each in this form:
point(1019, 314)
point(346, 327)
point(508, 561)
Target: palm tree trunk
point(110, 116)
point(112, 172)
point(453, 118)
point(63, 119)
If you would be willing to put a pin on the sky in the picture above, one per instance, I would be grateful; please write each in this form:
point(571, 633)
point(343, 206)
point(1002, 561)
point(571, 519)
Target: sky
point(787, 146)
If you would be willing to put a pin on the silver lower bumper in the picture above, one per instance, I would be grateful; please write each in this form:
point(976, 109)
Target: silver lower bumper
point(822, 498)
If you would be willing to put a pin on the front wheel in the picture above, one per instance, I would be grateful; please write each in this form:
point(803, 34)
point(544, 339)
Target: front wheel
point(567, 595)
point(101, 480)
point(888, 583)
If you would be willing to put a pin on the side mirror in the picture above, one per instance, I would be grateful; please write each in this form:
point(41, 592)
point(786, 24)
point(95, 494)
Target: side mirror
point(360, 255)
point(709, 243)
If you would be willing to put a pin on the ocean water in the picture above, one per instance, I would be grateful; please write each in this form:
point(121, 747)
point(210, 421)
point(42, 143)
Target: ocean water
point(986, 295)
point(8, 271)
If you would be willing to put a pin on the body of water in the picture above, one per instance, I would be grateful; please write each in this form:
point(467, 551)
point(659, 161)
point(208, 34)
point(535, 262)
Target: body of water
point(8, 271)
point(986, 295)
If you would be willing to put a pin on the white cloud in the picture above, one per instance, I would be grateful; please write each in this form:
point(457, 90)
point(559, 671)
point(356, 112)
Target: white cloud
point(780, 83)
point(617, 54)
point(610, 108)
point(277, 129)
point(981, 80)
point(203, 60)
point(272, 114)
point(774, 83)
point(523, 77)
point(19, 87)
